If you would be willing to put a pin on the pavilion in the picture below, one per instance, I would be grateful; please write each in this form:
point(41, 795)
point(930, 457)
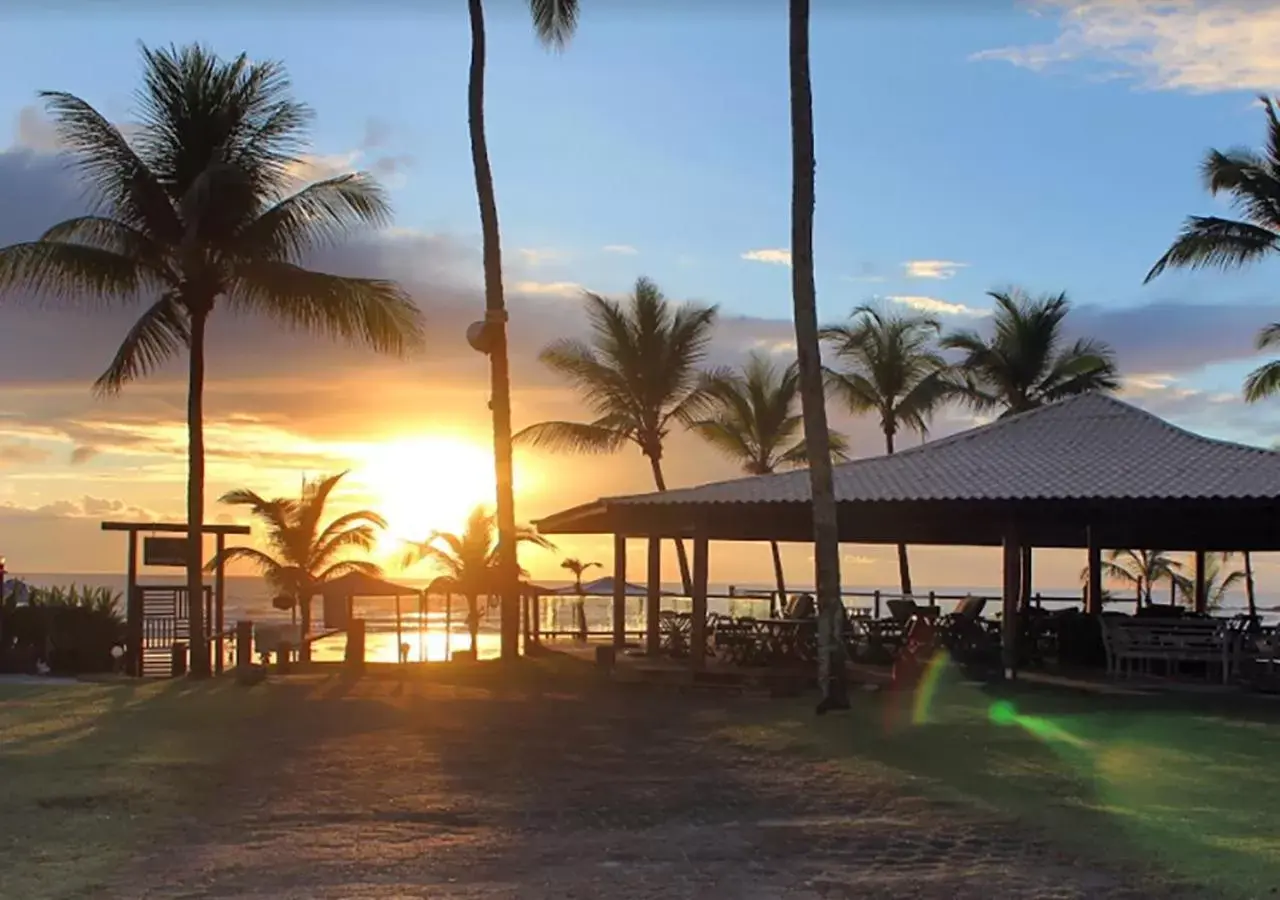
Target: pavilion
point(1090, 472)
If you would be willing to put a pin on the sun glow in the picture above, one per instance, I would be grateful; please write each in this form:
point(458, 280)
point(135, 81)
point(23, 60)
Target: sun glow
point(425, 484)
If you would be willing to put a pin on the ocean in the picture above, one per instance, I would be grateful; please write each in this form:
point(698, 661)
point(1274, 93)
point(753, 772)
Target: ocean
point(440, 629)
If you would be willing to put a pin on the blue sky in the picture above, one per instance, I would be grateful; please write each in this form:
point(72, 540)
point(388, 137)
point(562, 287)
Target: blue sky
point(961, 147)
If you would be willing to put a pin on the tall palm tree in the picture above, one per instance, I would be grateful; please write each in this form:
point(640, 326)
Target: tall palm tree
point(638, 374)
point(468, 562)
point(303, 554)
point(554, 21)
point(1218, 582)
point(1142, 569)
point(195, 212)
point(826, 528)
point(753, 420)
point(577, 567)
point(1252, 181)
point(1024, 365)
point(891, 368)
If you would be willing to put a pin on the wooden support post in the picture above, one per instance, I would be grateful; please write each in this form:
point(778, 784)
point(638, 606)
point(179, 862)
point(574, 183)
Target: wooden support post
point(401, 656)
point(1202, 597)
point(698, 631)
point(653, 599)
point(133, 609)
point(244, 644)
point(933, 600)
point(875, 604)
point(220, 605)
point(1025, 580)
point(354, 656)
point(619, 591)
point(1094, 590)
point(1012, 587)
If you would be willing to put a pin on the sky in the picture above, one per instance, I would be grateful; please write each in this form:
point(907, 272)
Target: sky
point(962, 147)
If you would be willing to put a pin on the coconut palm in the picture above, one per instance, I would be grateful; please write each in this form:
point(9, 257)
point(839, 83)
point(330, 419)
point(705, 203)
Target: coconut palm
point(194, 213)
point(468, 562)
point(639, 374)
point(577, 567)
point(1024, 364)
point(1252, 181)
point(890, 367)
point(753, 419)
point(1142, 569)
point(302, 552)
point(554, 21)
point(1218, 582)
point(826, 529)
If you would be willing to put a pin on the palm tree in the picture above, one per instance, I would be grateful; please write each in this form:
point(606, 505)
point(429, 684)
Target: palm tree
point(826, 528)
point(1217, 581)
point(892, 369)
point(304, 554)
point(194, 213)
point(752, 419)
point(638, 374)
point(1142, 569)
point(1024, 364)
point(554, 21)
point(1252, 181)
point(577, 567)
point(468, 562)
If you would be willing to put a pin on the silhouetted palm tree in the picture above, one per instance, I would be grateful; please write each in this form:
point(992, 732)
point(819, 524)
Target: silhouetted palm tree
point(303, 554)
point(891, 367)
point(554, 21)
point(753, 419)
point(826, 528)
point(639, 374)
point(1142, 569)
point(1252, 180)
point(577, 567)
point(468, 562)
point(195, 213)
point(1024, 365)
point(1217, 581)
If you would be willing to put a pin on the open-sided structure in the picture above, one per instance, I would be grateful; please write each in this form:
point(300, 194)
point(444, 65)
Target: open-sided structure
point(1089, 472)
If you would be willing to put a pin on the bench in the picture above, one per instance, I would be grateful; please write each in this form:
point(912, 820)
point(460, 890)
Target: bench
point(1134, 645)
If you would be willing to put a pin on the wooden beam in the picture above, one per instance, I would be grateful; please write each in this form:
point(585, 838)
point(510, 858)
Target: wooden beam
point(133, 610)
point(653, 600)
point(1012, 585)
point(173, 528)
point(1093, 596)
point(220, 601)
point(1202, 596)
point(619, 590)
point(698, 629)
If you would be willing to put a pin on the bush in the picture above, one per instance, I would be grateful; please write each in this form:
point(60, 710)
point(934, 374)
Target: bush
point(71, 629)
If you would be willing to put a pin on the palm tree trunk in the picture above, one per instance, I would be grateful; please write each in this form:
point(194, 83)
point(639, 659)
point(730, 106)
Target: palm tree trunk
point(1248, 587)
point(778, 574)
point(904, 565)
point(661, 483)
point(826, 527)
point(195, 496)
point(496, 320)
point(580, 609)
point(473, 626)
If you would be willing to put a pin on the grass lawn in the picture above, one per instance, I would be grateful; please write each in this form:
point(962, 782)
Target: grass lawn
point(1178, 788)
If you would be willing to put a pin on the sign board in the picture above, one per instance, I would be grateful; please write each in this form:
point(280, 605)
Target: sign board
point(165, 551)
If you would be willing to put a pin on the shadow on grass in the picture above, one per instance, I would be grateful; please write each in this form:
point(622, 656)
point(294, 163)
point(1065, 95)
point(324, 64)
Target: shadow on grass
point(1185, 786)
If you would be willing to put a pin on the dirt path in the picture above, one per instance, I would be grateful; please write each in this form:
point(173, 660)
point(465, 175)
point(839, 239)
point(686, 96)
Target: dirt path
point(382, 789)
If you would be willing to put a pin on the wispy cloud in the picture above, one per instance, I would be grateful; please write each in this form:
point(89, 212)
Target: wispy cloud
point(937, 269)
point(1201, 46)
point(864, 279)
point(550, 288)
point(936, 306)
point(624, 249)
point(777, 256)
point(533, 256)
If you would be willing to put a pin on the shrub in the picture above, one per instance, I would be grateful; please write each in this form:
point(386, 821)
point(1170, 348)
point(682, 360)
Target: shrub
point(72, 629)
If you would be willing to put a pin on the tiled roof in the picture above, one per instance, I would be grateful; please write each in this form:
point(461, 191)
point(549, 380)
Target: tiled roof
point(1083, 448)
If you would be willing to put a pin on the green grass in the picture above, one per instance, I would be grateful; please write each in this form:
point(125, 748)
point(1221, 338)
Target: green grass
point(93, 774)
point(1174, 788)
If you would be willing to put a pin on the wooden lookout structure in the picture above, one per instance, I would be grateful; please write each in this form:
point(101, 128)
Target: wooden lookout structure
point(156, 615)
point(1090, 472)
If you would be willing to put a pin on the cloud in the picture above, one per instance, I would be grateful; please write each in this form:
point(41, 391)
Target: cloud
point(623, 249)
point(550, 288)
point(535, 257)
point(939, 269)
point(938, 307)
point(1200, 46)
point(776, 256)
point(82, 453)
point(19, 452)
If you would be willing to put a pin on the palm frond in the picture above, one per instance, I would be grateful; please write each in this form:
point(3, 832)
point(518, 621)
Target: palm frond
point(554, 21)
point(74, 273)
point(1263, 382)
point(371, 310)
point(1212, 241)
point(571, 437)
point(158, 335)
point(264, 563)
point(346, 567)
point(318, 216)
